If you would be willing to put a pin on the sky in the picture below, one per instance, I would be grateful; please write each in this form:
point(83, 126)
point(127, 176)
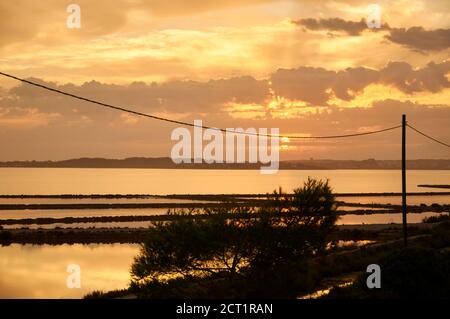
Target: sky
point(306, 67)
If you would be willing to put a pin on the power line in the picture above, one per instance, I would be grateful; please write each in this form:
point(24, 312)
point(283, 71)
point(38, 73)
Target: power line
point(427, 136)
point(118, 108)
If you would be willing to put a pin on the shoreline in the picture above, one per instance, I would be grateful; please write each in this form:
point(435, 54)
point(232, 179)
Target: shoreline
point(209, 196)
point(138, 235)
point(286, 164)
point(394, 209)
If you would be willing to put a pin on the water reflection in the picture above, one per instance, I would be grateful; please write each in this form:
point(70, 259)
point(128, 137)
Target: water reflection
point(198, 181)
point(61, 213)
point(349, 219)
point(31, 271)
point(397, 200)
point(382, 218)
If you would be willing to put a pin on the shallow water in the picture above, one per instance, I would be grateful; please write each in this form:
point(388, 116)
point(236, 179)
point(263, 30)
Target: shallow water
point(28, 271)
point(191, 181)
point(40, 271)
point(349, 219)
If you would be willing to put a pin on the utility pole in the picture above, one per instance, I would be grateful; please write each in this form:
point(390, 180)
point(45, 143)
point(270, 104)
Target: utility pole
point(405, 236)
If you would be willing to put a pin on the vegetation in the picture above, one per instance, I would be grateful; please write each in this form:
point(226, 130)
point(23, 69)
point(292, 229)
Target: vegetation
point(406, 273)
point(437, 219)
point(420, 271)
point(59, 236)
point(284, 249)
point(96, 294)
point(250, 255)
point(5, 237)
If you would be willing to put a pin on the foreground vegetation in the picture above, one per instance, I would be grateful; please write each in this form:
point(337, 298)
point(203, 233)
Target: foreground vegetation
point(282, 250)
point(419, 271)
point(285, 247)
point(223, 257)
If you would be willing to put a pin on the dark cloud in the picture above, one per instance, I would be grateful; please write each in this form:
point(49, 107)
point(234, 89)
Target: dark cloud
point(420, 39)
point(335, 24)
point(316, 85)
point(431, 78)
point(352, 81)
point(416, 38)
point(172, 96)
point(305, 83)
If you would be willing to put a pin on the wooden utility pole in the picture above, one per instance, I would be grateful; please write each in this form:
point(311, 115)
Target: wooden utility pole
point(405, 236)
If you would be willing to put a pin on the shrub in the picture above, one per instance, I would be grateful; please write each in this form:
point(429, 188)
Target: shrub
point(407, 273)
point(260, 253)
point(436, 219)
point(5, 237)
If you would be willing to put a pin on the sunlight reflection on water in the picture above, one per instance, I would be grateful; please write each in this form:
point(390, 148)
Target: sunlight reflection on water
point(39, 271)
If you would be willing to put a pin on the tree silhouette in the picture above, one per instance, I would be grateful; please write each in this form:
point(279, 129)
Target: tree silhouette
point(242, 244)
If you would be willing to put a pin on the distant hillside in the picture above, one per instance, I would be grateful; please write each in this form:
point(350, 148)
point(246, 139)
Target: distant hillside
point(165, 162)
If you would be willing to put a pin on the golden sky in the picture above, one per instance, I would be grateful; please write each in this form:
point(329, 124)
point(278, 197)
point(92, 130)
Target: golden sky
point(307, 67)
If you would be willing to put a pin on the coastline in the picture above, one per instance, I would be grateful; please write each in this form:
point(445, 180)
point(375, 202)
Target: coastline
point(138, 235)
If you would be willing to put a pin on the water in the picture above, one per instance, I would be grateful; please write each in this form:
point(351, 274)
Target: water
point(397, 200)
point(32, 271)
point(55, 213)
point(349, 219)
point(75, 200)
point(189, 181)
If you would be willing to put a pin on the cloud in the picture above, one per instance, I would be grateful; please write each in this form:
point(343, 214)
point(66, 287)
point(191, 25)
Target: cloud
point(352, 81)
point(42, 125)
point(317, 85)
point(27, 118)
point(431, 78)
point(283, 90)
point(305, 83)
point(418, 38)
point(333, 24)
point(172, 96)
point(336, 24)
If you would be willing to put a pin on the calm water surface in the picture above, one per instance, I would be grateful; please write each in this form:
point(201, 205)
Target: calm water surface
point(348, 219)
point(188, 181)
point(31, 271)
point(39, 271)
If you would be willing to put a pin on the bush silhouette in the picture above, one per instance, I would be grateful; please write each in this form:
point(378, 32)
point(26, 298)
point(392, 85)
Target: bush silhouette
point(408, 273)
point(238, 252)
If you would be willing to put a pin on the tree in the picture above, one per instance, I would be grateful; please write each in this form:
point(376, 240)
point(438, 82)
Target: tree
point(248, 246)
point(198, 243)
